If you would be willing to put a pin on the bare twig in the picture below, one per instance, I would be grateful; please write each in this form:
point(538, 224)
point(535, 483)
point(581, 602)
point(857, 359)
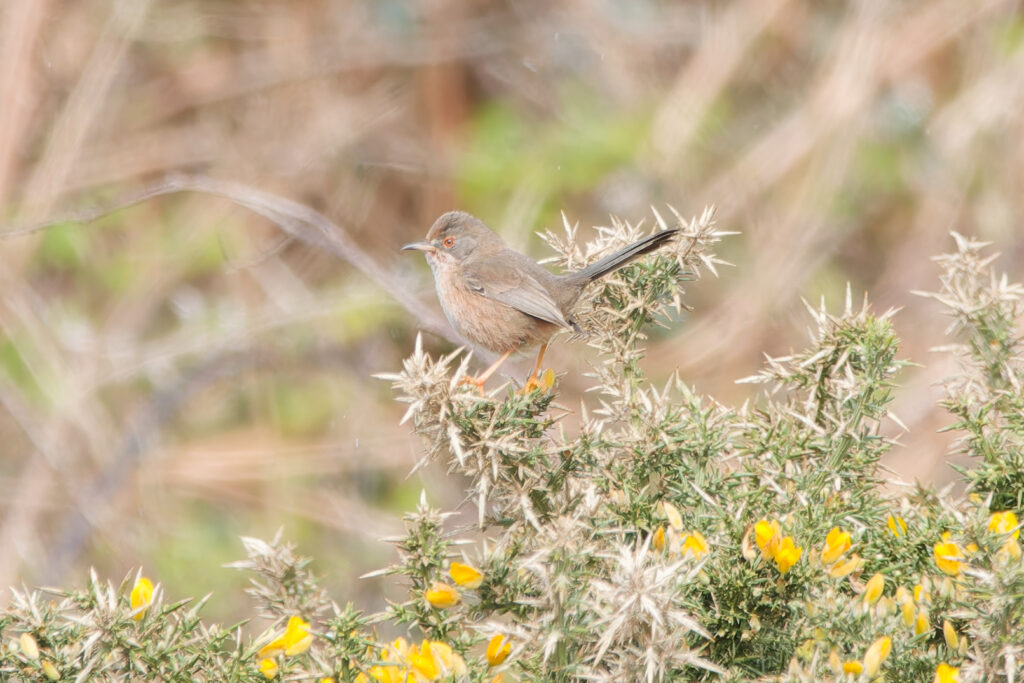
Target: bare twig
point(296, 220)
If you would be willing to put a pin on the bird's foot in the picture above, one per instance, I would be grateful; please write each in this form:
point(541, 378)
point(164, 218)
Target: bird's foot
point(544, 382)
point(477, 382)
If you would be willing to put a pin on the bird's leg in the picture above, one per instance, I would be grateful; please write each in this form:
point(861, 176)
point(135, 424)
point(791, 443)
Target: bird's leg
point(540, 359)
point(479, 380)
point(532, 382)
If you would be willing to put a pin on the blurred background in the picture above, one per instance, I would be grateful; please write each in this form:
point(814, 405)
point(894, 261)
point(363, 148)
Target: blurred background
point(180, 372)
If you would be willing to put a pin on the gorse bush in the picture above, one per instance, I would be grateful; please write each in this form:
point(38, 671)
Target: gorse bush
point(663, 537)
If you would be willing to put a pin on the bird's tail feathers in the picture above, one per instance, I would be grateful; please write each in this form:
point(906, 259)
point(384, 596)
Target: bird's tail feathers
point(624, 256)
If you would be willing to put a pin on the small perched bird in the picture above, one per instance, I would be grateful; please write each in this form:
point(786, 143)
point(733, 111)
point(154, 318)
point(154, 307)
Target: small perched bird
point(502, 300)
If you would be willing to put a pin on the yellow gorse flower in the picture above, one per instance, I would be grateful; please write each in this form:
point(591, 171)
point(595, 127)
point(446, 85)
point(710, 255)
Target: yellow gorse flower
point(787, 554)
point(423, 664)
point(465, 575)
point(268, 667)
point(400, 647)
point(451, 660)
point(29, 646)
point(886, 606)
point(768, 536)
point(658, 540)
point(1004, 523)
point(908, 613)
point(841, 569)
point(944, 673)
point(694, 544)
point(49, 670)
point(295, 640)
point(675, 520)
point(949, 635)
point(948, 557)
point(836, 543)
point(922, 624)
point(389, 673)
point(833, 660)
point(442, 596)
point(297, 636)
point(852, 666)
point(874, 588)
point(497, 650)
point(141, 597)
point(434, 660)
point(896, 525)
point(876, 654)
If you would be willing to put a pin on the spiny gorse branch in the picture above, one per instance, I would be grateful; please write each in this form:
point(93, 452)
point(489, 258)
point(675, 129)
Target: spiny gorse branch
point(666, 537)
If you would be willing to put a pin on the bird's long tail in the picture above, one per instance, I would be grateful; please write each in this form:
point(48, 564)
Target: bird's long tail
point(624, 256)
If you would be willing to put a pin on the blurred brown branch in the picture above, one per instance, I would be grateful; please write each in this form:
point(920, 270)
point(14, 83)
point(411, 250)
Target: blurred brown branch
point(294, 219)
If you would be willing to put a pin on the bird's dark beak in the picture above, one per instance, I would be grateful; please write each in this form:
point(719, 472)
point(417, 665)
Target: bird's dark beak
point(420, 246)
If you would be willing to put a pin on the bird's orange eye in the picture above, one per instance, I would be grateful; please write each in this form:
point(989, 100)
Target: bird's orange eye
point(448, 242)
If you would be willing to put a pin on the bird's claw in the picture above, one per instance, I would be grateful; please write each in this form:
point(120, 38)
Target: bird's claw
point(475, 381)
point(532, 385)
point(543, 383)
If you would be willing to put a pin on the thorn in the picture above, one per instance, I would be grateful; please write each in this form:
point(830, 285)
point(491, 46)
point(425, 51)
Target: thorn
point(661, 221)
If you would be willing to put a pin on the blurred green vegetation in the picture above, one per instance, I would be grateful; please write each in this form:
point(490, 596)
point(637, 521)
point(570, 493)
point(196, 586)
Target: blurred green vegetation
point(560, 160)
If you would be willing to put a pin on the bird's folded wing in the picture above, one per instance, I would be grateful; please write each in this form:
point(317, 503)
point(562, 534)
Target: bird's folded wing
point(512, 287)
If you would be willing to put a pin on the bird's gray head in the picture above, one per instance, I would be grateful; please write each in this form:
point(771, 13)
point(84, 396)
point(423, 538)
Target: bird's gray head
point(455, 236)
